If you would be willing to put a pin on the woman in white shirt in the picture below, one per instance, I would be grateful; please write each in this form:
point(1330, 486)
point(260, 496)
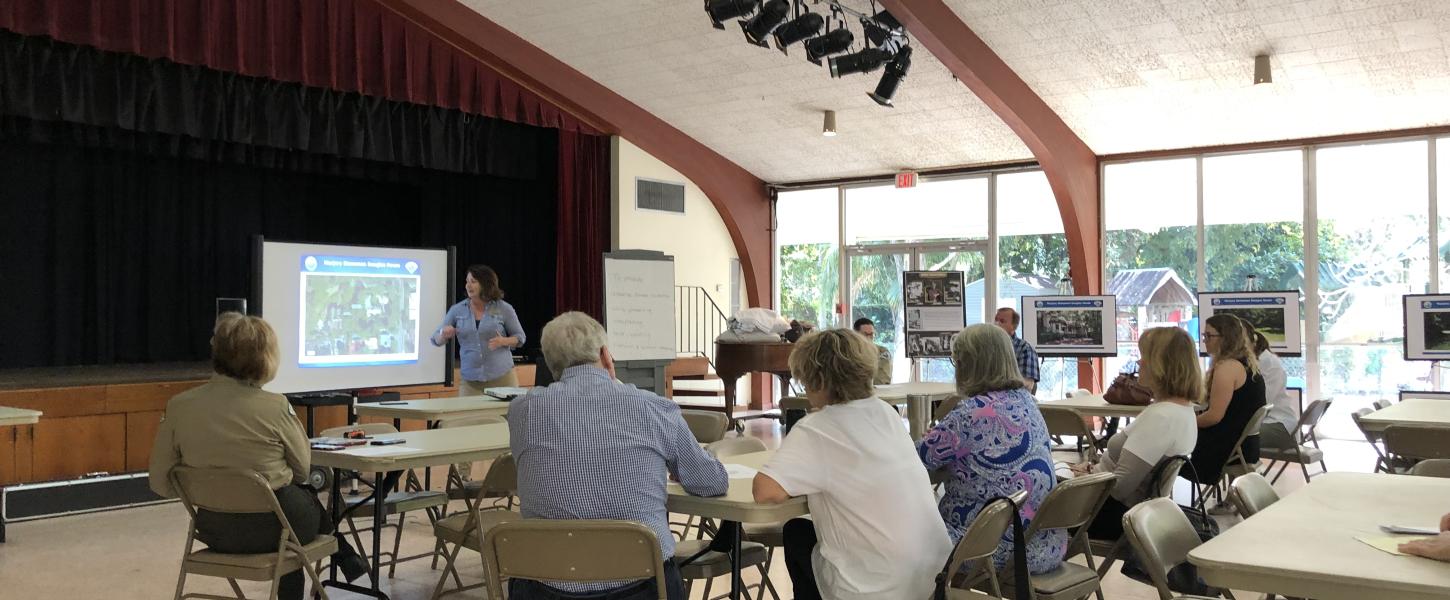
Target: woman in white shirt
point(1169, 368)
point(1283, 416)
point(873, 531)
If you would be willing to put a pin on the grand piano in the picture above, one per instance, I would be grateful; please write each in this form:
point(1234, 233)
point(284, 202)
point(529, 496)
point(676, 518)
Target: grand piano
point(733, 360)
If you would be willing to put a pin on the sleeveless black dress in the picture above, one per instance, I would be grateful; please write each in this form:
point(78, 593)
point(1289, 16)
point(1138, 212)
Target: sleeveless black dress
point(1215, 443)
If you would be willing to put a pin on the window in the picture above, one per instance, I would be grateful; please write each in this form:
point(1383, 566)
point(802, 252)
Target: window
point(1151, 218)
point(1032, 259)
point(808, 267)
point(1373, 203)
point(938, 209)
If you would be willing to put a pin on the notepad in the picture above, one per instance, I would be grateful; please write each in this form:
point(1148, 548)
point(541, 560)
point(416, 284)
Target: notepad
point(1391, 543)
point(739, 471)
point(380, 450)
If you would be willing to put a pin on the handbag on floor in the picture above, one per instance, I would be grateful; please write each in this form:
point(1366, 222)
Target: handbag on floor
point(1183, 578)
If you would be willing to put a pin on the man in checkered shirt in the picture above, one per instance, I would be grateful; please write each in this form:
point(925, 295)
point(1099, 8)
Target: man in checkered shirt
point(1008, 319)
point(589, 447)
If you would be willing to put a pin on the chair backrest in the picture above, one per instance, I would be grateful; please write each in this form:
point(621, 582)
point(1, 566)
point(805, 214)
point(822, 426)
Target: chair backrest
point(1381, 404)
point(572, 551)
point(1073, 503)
point(367, 428)
point(1373, 437)
point(735, 446)
point(794, 403)
point(1167, 470)
point(1066, 421)
point(223, 490)
point(1417, 441)
point(1252, 428)
point(1310, 419)
point(707, 425)
point(1435, 467)
point(984, 535)
point(1252, 493)
point(503, 474)
point(472, 420)
point(1161, 537)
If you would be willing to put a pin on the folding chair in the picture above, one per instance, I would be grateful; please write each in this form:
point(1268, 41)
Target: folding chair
point(466, 530)
point(1382, 462)
point(1161, 538)
point(759, 542)
point(1166, 473)
point(1435, 467)
point(1063, 421)
point(976, 548)
point(1071, 506)
point(1252, 493)
point(241, 491)
point(1235, 465)
point(1300, 454)
point(575, 551)
point(707, 425)
point(1408, 444)
point(412, 498)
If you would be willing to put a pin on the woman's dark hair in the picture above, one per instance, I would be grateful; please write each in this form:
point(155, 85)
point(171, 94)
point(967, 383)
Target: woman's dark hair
point(487, 282)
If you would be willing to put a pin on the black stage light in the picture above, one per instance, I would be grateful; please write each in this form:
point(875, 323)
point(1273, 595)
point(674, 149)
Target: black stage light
point(771, 14)
point(879, 27)
point(831, 43)
point(798, 29)
point(724, 10)
point(891, 77)
point(864, 61)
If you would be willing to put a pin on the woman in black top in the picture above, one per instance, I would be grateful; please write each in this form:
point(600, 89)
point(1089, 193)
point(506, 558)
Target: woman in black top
point(1235, 392)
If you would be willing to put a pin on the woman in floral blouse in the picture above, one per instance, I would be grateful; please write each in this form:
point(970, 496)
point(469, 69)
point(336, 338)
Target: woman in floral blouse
point(995, 443)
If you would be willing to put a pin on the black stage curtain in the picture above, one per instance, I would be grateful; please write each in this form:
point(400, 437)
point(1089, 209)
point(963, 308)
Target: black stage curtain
point(120, 226)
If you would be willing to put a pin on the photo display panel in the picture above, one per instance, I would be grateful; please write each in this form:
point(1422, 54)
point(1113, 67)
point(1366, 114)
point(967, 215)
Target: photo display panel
point(1427, 326)
point(935, 313)
point(1272, 313)
point(1071, 325)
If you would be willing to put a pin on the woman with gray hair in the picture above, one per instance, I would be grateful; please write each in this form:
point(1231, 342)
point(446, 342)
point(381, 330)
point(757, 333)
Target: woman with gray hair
point(872, 534)
point(995, 443)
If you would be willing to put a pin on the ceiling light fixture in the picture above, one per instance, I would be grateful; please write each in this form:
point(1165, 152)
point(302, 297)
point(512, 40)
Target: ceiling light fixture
point(891, 78)
point(1262, 73)
point(864, 61)
point(828, 129)
point(724, 10)
point(758, 28)
point(880, 27)
point(798, 29)
point(833, 42)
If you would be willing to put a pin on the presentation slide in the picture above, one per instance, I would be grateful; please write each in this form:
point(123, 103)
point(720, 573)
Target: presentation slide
point(1272, 313)
point(1427, 327)
point(353, 317)
point(1071, 325)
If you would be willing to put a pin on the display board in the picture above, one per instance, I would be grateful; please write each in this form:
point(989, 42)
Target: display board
point(1427, 326)
point(1273, 313)
point(1071, 325)
point(934, 312)
point(639, 304)
point(353, 317)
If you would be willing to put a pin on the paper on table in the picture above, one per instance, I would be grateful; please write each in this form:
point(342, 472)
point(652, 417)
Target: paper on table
point(379, 450)
point(739, 471)
point(1391, 543)
point(1409, 530)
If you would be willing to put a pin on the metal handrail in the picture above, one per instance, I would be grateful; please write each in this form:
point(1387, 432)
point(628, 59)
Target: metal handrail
point(698, 321)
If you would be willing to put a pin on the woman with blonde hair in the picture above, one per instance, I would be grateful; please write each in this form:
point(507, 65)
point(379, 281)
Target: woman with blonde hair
point(230, 422)
point(1235, 392)
point(872, 534)
point(1166, 428)
point(995, 443)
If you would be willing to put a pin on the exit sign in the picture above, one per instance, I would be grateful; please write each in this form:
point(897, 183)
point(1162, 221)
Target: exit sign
point(905, 180)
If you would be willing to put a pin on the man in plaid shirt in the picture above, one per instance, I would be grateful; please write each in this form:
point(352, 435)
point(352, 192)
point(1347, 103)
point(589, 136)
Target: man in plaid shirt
point(1008, 320)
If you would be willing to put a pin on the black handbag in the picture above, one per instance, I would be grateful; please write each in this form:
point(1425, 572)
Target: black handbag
point(1183, 578)
point(1020, 584)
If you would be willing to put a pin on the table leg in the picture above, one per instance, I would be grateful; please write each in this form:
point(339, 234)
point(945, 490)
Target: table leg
point(382, 482)
point(918, 414)
point(2, 514)
point(737, 586)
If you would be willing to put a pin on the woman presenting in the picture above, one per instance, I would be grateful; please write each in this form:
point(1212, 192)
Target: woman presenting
point(487, 329)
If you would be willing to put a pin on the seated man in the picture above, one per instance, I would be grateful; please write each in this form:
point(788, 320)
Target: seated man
point(867, 328)
point(589, 447)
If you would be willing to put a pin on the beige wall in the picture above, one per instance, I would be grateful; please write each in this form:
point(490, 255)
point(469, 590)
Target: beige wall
point(697, 239)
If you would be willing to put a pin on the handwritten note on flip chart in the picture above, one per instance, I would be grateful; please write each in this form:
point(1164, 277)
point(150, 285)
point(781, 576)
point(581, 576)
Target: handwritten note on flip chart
point(639, 308)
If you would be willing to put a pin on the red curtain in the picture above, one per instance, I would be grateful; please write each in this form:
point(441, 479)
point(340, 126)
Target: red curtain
point(583, 224)
point(346, 45)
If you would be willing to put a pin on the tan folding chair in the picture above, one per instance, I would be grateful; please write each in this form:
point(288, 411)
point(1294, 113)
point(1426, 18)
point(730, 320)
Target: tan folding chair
point(757, 538)
point(1071, 506)
point(1375, 439)
point(1300, 454)
point(241, 491)
point(575, 551)
point(412, 498)
point(1111, 550)
point(1409, 444)
point(1435, 467)
point(1381, 404)
point(975, 550)
point(1161, 538)
point(1252, 493)
point(466, 530)
point(707, 425)
point(1235, 465)
point(501, 480)
point(1062, 421)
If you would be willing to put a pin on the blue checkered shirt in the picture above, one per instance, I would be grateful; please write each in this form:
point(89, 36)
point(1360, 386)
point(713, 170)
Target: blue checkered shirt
point(1026, 359)
point(588, 447)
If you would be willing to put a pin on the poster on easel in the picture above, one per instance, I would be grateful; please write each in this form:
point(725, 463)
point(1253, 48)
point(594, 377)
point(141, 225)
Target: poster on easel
point(1273, 313)
point(1427, 327)
point(935, 312)
point(1071, 326)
